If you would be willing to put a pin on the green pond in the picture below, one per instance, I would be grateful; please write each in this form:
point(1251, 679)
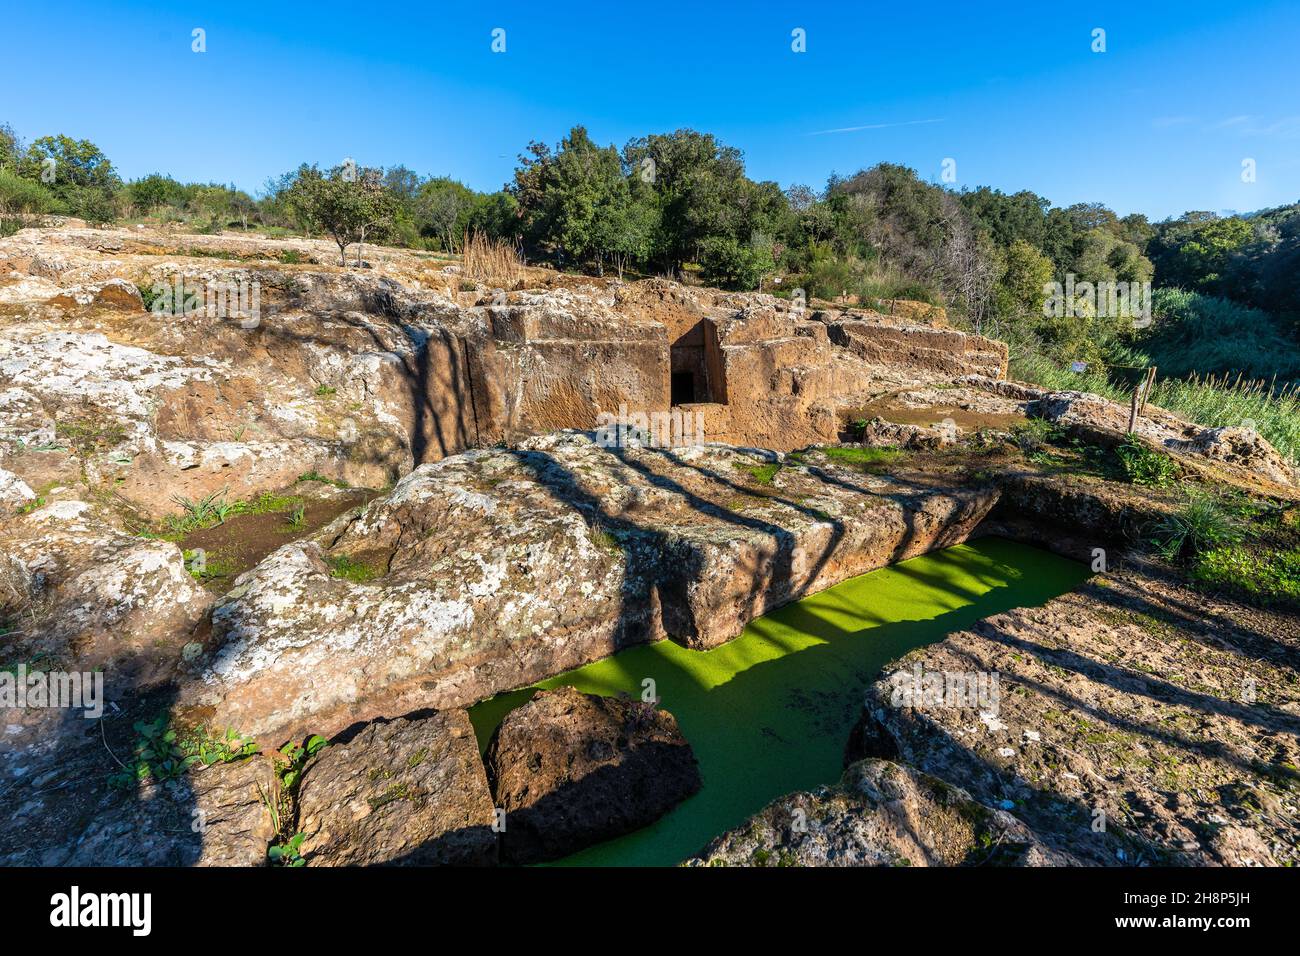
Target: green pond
point(771, 711)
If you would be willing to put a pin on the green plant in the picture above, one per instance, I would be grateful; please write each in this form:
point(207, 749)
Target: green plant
point(346, 567)
point(1145, 466)
point(763, 474)
point(317, 476)
point(297, 517)
point(161, 754)
point(1031, 435)
point(323, 391)
point(862, 459)
point(287, 852)
point(295, 760)
point(1202, 523)
point(210, 567)
point(201, 513)
point(1271, 576)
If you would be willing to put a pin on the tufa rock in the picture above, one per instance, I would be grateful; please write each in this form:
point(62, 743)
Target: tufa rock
point(572, 769)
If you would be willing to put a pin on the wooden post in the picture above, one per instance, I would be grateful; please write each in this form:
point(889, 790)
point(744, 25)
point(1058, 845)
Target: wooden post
point(1150, 383)
point(1133, 409)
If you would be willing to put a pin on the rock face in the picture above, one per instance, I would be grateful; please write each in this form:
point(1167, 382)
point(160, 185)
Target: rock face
point(1124, 730)
point(939, 350)
point(572, 769)
point(404, 792)
point(210, 817)
point(1241, 452)
point(497, 568)
point(880, 814)
point(360, 375)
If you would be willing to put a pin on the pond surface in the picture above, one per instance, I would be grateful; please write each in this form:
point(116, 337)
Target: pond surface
point(771, 711)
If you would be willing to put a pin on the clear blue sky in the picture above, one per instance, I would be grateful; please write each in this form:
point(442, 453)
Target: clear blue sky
point(1159, 123)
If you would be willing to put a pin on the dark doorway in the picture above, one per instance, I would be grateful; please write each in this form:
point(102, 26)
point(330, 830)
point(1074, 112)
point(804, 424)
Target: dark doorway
point(683, 388)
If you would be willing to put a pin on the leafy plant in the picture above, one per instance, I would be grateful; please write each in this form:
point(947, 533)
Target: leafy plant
point(296, 757)
point(1032, 434)
point(286, 853)
point(1143, 465)
point(161, 754)
point(1201, 524)
point(346, 567)
point(1271, 576)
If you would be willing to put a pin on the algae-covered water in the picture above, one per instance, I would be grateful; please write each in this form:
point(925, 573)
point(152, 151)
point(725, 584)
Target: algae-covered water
point(771, 711)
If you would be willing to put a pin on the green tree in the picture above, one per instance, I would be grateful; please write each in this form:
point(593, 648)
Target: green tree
point(442, 210)
point(76, 171)
point(351, 207)
point(150, 193)
point(1026, 272)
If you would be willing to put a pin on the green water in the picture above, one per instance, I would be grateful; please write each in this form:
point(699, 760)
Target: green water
point(771, 711)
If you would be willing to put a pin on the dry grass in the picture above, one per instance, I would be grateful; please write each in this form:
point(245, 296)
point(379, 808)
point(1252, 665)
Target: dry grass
point(491, 262)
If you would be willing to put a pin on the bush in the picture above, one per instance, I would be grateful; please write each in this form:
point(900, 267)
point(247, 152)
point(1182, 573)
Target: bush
point(1205, 335)
point(1143, 465)
point(1274, 576)
point(735, 265)
point(1200, 525)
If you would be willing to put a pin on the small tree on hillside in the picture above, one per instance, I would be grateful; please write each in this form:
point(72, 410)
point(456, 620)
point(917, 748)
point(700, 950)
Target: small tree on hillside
point(351, 208)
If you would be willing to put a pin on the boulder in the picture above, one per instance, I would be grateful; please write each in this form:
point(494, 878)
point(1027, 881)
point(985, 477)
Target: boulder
point(497, 568)
point(572, 769)
point(880, 814)
point(214, 816)
point(409, 791)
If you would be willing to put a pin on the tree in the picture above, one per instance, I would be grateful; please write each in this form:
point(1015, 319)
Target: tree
point(561, 193)
point(1026, 272)
point(441, 208)
point(11, 148)
point(20, 198)
point(625, 226)
point(148, 194)
point(76, 171)
point(349, 207)
point(697, 183)
point(731, 263)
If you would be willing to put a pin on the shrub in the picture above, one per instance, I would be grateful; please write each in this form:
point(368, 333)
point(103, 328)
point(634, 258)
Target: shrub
point(1200, 525)
point(1273, 576)
point(1202, 334)
point(1143, 465)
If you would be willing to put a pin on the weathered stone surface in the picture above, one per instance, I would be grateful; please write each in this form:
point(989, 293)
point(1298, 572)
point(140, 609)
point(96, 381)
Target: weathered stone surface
point(1240, 450)
point(880, 814)
point(573, 769)
point(213, 816)
point(90, 589)
point(361, 374)
point(409, 791)
point(497, 568)
point(1177, 730)
point(939, 351)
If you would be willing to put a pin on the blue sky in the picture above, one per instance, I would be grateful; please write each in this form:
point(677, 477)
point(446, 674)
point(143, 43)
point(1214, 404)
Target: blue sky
point(1159, 123)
